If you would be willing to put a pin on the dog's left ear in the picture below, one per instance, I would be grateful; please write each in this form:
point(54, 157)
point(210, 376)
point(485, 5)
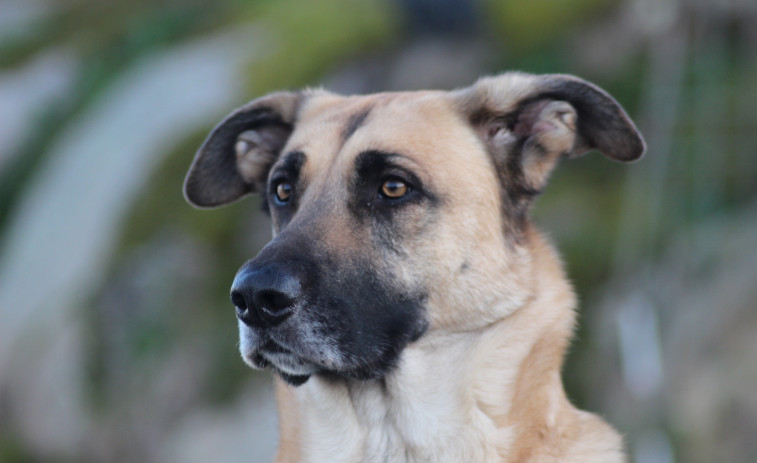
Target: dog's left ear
point(527, 122)
point(235, 158)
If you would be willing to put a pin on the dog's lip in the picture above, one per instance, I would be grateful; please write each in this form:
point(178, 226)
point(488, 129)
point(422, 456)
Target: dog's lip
point(257, 356)
point(279, 357)
point(257, 360)
point(272, 347)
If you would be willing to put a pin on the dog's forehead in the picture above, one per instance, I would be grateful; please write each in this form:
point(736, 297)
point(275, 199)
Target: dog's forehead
point(422, 126)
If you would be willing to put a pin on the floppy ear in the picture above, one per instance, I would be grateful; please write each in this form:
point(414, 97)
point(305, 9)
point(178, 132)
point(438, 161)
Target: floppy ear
point(235, 158)
point(527, 122)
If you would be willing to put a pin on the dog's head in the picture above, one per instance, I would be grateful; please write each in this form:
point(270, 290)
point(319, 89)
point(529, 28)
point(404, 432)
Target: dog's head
point(393, 213)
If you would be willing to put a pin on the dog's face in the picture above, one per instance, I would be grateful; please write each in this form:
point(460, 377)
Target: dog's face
point(393, 214)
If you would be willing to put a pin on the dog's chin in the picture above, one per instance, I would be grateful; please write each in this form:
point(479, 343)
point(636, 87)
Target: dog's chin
point(257, 361)
point(289, 367)
point(293, 380)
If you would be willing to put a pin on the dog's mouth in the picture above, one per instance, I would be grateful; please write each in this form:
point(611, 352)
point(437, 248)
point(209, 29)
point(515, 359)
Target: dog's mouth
point(292, 368)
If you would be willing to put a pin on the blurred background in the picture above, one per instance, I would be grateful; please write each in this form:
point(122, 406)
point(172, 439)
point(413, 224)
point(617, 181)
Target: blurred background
point(118, 342)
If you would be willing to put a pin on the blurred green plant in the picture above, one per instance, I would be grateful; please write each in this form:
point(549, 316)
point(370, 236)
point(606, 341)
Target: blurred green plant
point(110, 36)
point(297, 55)
point(528, 26)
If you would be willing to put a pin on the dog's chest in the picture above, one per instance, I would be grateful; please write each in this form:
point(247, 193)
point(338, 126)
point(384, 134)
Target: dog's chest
point(368, 423)
point(383, 434)
point(358, 423)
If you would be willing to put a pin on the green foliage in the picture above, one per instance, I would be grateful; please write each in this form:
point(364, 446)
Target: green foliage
point(119, 29)
point(13, 451)
point(112, 36)
point(308, 38)
point(526, 26)
point(162, 202)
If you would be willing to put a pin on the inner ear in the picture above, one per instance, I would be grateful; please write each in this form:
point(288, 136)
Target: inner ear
point(527, 142)
point(257, 150)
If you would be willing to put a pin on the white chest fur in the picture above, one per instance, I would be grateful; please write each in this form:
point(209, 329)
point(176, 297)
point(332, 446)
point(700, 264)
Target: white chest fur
point(423, 412)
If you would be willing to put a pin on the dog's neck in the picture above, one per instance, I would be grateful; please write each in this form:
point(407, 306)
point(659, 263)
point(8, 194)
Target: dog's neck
point(496, 396)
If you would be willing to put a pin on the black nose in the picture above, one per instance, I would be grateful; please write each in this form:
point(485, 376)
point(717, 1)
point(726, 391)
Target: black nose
point(265, 294)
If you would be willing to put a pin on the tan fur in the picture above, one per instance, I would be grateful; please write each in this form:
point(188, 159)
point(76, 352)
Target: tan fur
point(513, 343)
point(289, 432)
point(483, 383)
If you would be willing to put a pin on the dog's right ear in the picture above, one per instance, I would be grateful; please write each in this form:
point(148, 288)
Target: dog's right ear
point(235, 158)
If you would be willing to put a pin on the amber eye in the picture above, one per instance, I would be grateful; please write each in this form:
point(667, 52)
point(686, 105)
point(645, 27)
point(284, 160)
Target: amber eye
point(283, 191)
point(394, 188)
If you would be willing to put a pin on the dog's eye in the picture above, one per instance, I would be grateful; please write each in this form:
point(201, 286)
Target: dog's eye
point(283, 191)
point(394, 188)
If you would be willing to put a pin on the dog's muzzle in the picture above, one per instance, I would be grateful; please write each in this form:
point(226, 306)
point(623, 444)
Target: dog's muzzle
point(303, 312)
point(265, 297)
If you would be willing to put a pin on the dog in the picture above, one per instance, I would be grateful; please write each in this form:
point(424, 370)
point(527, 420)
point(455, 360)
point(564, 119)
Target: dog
point(408, 306)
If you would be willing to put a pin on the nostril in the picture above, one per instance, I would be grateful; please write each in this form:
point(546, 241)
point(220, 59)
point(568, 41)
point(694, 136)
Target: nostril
point(239, 301)
point(274, 302)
